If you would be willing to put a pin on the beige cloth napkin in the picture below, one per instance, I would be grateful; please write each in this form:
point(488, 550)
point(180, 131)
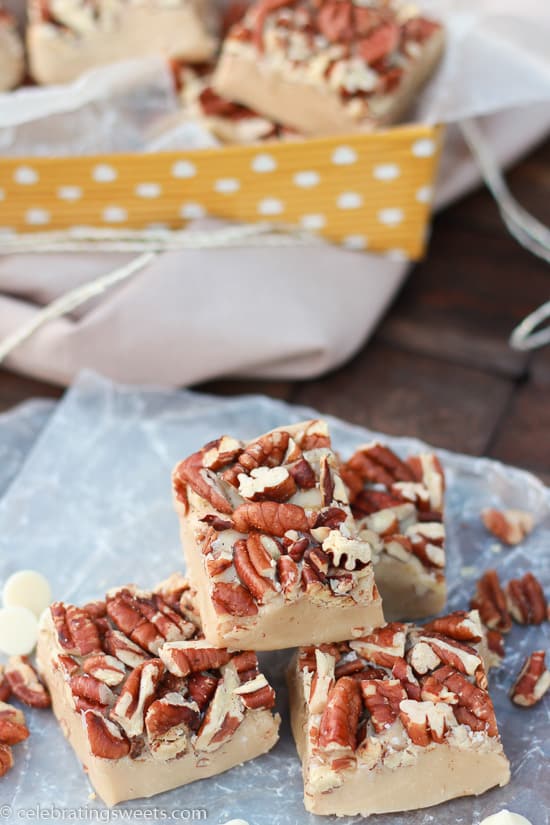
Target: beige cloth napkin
point(193, 315)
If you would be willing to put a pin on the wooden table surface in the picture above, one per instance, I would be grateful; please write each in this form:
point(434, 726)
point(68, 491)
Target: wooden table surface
point(439, 366)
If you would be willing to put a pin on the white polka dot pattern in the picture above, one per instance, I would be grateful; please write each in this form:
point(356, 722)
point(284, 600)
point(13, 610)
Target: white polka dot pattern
point(69, 193)
point(391, 216)
point(423, 148)
point(148, 190)
point(227, 186)
point(37, 217)
point(313, 222)
point(349, 200)
point(386, 171)
point(25, 176)
point(263, 163)
point(115, 214)
point(103, 173)
point(355, 242)
point(305, 180)
point(192, 211)
point(270, 206)
point(184, 169)
point(344, 156)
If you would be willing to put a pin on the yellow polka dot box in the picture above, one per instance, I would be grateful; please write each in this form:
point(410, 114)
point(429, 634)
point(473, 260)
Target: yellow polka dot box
point(365, 191)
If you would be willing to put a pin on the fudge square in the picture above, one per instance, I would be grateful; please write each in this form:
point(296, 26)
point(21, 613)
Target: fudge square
point(329, 66)
point(398, 720)
point(270, 542)
point(399, 509)
point(147, 703)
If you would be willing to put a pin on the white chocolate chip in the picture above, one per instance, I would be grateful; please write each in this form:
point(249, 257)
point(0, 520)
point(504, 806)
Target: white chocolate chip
point(505, 818)
point(27, 588)
point(18, 631)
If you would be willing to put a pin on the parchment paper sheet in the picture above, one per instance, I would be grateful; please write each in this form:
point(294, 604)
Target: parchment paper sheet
point(92, 508)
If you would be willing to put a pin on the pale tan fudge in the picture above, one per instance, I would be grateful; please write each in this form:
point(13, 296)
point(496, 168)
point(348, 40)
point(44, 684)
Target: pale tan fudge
point(147, 703)
point(12, 61)
point(270, 542)
point(227, 121)
point(329, 66)
point(399, 508)
point(68, 37)
point(396, 721)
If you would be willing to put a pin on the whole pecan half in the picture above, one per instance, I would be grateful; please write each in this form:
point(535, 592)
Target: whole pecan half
point(76, 629)
point(105, 737)
point(233, 599)
point(25, 684)
point(257, 693)
point(510, 526)
point(91, 689)
point(270, 517)
point(490, 600)
point(183, 658)
point(137, 694)
point(532, 682)
point(107, 669)
point(340, 719)
point(203, 481)
point(526, 600)
point(383, 646)
point(13, 728)
point(460, 625)
point(202, 687)
point(261, 588)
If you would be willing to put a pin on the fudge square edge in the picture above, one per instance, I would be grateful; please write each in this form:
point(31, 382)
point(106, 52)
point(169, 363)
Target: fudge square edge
point(396, 721)
point(145, 701)
point(270, 542)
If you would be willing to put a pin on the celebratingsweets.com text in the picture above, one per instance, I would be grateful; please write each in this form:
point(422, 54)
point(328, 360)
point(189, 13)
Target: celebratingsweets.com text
point(56, 813)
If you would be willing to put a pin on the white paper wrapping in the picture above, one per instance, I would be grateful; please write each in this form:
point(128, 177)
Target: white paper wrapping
point(92, 508)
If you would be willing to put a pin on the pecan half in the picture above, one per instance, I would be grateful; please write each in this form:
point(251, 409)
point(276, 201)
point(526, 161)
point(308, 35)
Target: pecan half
point(257, 693)
point(233, 599)
point(91, 689)
point(459, 655)
point(76, 629)
point(224, 714)
point(121, 647)
point(5, 690)
point(261, 588)
point(474, 707)
point(25, 684)
point(375, 464)
point(270, 517)
point(460, 625)
point(427, 470)
point(532, 682)
point(383, 646)
point(146, 618)
point(490, 600)
point(370, 501)
point(6, 759)
point(12, 725)
point(202, 687)
point(426, 722)
point(263, 552)
point(403, 671)
point(322, 681)
point(510, 526)
point(268, 450)
point(107, 669)
point(267, 484)
point(526, 600)
point(183, 658)
point(382, 698)
point(203, 481)
point(137, 694)
point(289, 577)
point(168, 723)
point(106, 739)
point(338, 725)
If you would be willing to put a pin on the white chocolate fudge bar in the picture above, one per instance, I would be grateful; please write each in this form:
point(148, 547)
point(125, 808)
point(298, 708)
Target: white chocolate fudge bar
point(329, 66)
point(399, 508)
point(147, 703)
point(396, 721)
point(270, 542)
point(68, 37)
point(12, 62)
point(229, 122)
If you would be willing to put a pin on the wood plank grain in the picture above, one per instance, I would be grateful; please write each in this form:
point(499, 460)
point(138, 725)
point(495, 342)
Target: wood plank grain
point(17, 388)
point(401, 393)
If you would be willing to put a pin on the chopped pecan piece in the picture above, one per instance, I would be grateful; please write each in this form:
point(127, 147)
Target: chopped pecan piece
point(490, 600)
point(460, 625)
point(270, 517)
point(510, 526)
point(303, 474)
point(5, 690)
point(376, 464)
point(137, 694)
point(403, 671)
point(106, 739)
point(220, 452)
point(289, 577)
point(384, 645)
point(25, 684)
point(322, 681)
point(202, 687)
point(203, 481)
point(268, 450)
point(426, 722)
point(168, 723)
point(107, 669)
point(257, 693)
point(121, 647)
point(13, 728)
point(382, 698)
point(526, 600)
point(427, 469)
point(233, 599)
point(338, 725)
point(91, 689)
point(474, 707)
point(532, 682)
point(183, 658)
point(267, 484)
point(224, 714)
point(76, 629)
point(6, 759)
point(263, 552)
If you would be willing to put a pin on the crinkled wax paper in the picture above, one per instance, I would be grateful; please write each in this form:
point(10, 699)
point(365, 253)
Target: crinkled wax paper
point(92, 508)
point(19, 429)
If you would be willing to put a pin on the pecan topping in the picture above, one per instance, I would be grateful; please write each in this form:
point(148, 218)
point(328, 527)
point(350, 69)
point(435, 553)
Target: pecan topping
point(428, 471)
point(346, 552)
point(426, 722)
point(376, 464)
point(303, 474)
point(107, 669)
point(203, 481)
point(384, 646)
point(12, 725)
point(76, 629)
point(460, 625)
point(91, 689)
point(136, 696)
point(25, 684)
point(233, 599)
point(533, 681)
point(267, 484)
point(106, 739)
point(224, 713)
point(263, 552)
point(510, 526)
point(289, 577)
point(338, 725)
point(270, 517)
point(403, 671)
point(147, 619)
point(372, 501)
point(382, 698)
point(6, 759)
point(220, 452)
point(474, 707)
point(121, 647)
point(261, 588)
point(526, 600)
point(202, 687)
point(257, 693)
point(168, 723)
point(322, 681)
point(183, 658)
point(489, 599)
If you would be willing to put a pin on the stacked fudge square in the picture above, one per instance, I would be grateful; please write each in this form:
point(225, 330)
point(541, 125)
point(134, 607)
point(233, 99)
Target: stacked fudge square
point(287, 547)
